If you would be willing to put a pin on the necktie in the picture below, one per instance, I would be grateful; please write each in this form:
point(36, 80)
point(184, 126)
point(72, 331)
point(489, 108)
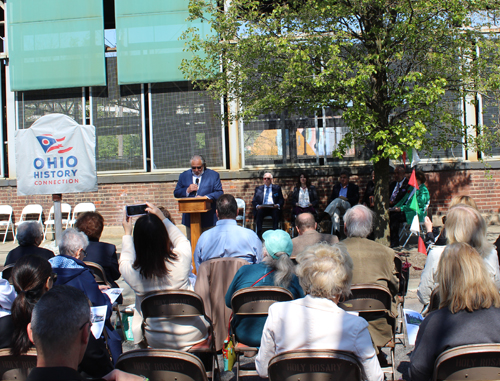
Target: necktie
point(395, 192)
point(266, 194)
point(197, 183)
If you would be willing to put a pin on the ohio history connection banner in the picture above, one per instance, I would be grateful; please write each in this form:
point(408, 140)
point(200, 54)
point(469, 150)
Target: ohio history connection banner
point(55, 155)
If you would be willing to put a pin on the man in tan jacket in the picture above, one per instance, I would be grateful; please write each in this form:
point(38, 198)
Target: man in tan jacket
point(373, 263)
point(308, 236)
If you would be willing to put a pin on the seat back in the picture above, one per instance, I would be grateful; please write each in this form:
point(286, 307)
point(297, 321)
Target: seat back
point(469, 362)
point(6, 212)
point(315, 365)
point(16, 367)
point(31, 212)
point(80, 208)
point(257, 300)
point(241, 206)
point(162, 365)
point(368, 298)
point(171, 303)
point(402, 274)
point(98, 272)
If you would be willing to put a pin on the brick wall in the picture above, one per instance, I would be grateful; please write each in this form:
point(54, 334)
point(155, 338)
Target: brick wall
point(483, 186)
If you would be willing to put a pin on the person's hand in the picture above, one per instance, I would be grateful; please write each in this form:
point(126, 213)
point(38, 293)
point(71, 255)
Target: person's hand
point(397, 209)
point(118, 375)
point(427, 224)
point(103, 287)
point(127, 222)
point(154, 210)
point(192, 188)
point(258, 206)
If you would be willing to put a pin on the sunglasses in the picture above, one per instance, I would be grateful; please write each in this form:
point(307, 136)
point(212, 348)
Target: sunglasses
point(196, 167)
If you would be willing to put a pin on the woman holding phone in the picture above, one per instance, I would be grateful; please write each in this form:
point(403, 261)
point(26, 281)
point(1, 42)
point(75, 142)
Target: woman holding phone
point(158, 257)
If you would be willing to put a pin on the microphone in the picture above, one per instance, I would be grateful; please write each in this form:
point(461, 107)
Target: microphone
point(197, 181)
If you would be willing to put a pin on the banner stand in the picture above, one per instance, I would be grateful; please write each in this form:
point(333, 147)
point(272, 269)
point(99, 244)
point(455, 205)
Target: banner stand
point(57, 198)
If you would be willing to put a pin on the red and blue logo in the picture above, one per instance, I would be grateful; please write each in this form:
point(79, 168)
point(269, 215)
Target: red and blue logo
point(49, 144)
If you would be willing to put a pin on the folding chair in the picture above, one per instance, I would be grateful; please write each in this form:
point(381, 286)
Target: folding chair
point(179, 304)
point(315, 365)
point(369, 300)
point(65, 217)
point(253, 302)
point(162, 365)
point(32, 212)
point(6, 215)
point(81, 208)
point(267, 223)
point(7, 272)
point(241, 206)
point(469, 362)
point(100, 277)
point(403, 277)
point(16, 367)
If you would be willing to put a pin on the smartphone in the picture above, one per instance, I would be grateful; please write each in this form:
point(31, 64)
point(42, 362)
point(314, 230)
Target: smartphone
point(136, 210)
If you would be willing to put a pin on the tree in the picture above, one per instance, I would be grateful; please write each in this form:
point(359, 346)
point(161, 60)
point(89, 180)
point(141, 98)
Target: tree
point(397, 70)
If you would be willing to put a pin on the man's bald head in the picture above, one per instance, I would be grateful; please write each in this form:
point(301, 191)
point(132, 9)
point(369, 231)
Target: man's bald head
point(305, 222)
point(358, 221)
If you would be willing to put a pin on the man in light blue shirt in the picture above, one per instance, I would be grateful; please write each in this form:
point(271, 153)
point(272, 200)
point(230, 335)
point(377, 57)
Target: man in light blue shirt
point(227, 239)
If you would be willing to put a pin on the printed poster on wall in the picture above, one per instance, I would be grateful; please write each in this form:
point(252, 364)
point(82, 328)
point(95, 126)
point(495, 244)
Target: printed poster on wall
point(55, 155)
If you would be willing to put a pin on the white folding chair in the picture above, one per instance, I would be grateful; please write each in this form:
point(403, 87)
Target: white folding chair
point(81, 208)
point(66, 215)
point(243, 208)
point(32, 212)
point(6, 215)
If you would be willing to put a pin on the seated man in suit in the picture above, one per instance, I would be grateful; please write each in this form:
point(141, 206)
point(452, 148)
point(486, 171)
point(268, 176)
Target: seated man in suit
point(308, 236)
point(195, 182)
point(373, 263)
point(29, 236)
point(267, 201)
point(344, 196)
point(398, 189)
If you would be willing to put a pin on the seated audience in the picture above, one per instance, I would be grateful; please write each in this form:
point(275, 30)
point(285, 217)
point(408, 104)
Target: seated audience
point(469, 309)
point(315, 321)
point(368, 199)
point(267, 201)
point(71, 271)
point(158, 257)
point(373, 263)
point(277, 269)
point(402, 211)
point(463, 224)
point(29, 236)
point(304, 198)
point(308, 236)
point(7, 297)
point(344, 196)
point(32, 277)
point(227, 238)
point(60, 330)
point(104, 254)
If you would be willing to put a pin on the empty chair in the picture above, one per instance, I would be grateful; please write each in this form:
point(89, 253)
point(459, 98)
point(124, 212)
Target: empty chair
point(315, 365)
point(65, 218)
point(16, 367)
point(242, 207)
point(162, 365)
point(32, 212)
point(80, 208)
point(469, 362)
point(6, 216)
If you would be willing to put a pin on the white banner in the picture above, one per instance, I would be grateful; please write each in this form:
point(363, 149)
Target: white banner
point(56, 155)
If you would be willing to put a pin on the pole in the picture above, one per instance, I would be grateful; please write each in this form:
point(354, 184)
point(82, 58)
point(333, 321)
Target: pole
point(57, 216)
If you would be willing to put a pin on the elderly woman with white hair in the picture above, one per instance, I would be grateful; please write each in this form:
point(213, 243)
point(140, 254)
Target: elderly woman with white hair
point(72, 271)
point(276, 269)
point(315, 321)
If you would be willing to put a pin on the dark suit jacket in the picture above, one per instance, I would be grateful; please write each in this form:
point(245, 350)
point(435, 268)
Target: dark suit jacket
point(352, 193)
point(258, 197)
point(210, 186)
point(104, 254)
point(313, 196)
point(402, 190)
point(21, 251)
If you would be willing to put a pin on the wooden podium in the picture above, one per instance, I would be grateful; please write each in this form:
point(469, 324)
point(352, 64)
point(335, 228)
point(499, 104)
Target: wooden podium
point(194, 206)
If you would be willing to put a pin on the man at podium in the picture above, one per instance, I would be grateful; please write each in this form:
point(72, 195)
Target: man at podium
point(199, 181)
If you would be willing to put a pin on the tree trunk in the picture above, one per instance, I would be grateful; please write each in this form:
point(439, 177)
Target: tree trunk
point(382, 180)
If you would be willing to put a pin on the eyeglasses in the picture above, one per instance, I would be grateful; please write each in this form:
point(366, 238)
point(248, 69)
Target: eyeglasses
point(268, 178)
point(196, 167)
point(53, 276)
point(87, 322)
point(84, 253)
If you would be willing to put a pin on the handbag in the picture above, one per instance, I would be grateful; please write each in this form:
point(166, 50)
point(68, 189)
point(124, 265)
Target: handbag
point(228, 352)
